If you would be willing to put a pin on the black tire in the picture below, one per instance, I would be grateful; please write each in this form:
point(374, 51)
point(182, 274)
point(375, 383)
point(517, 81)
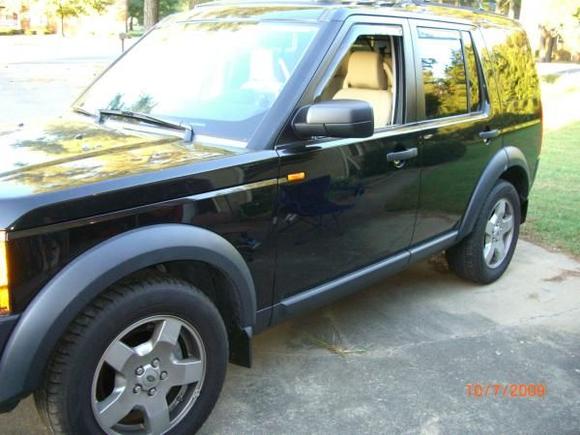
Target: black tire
point(66, 399)
point(466, 259)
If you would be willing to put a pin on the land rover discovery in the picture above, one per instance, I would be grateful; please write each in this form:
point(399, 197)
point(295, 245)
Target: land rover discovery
point(240, 164)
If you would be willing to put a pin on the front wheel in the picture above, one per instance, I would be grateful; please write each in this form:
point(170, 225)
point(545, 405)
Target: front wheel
point(486, 253)
point(147, 357)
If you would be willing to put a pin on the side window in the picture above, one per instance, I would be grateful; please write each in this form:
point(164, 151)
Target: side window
point(444, 77)
point(473, 82)
point(368, 72)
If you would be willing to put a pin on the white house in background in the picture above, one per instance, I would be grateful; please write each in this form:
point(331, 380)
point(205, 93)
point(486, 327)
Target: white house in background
point(9, 16)
point(38, 16)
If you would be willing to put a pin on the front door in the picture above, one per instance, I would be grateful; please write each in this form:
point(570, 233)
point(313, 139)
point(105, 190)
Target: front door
point(349, 203)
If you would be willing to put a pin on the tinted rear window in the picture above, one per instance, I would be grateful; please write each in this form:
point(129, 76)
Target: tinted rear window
point(515, 69)
point(444, 76)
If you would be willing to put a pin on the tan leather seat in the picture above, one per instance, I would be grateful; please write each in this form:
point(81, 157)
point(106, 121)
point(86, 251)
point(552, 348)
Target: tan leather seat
point(337, 82)
point(388, 66)
point(366, 80)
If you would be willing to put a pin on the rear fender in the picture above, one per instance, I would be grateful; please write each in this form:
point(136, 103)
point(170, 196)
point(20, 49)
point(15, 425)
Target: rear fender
point(499, 164)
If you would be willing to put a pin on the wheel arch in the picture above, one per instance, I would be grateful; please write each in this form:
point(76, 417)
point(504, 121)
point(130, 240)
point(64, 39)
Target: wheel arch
point(510, 164)
point(518, 174)
point(54, 308)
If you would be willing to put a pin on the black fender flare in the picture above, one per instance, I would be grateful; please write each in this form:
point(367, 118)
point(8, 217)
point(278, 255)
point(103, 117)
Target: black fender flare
point(48, 315)
point(502, 160)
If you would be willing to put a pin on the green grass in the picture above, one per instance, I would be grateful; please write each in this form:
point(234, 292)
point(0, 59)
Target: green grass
point(554, 214)
point(551, 78)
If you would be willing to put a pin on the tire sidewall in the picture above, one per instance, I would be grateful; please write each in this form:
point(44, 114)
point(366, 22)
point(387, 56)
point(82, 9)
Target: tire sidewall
point(150, 300)
point(502, 190)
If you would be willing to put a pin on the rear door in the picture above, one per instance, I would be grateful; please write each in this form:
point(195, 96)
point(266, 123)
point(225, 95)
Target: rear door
point(345, 206)
point(454, 109)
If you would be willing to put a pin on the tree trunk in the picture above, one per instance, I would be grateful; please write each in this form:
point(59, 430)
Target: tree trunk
point(547, 44)
point(550, 49)
point(62, 24)
point(512, 9)
point(151, 13)
point(127, 17)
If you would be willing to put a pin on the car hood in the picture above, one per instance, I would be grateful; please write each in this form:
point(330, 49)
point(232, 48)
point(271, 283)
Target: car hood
point(70, 153)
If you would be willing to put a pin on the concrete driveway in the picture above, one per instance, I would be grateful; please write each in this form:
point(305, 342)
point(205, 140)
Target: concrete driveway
point(395, 358)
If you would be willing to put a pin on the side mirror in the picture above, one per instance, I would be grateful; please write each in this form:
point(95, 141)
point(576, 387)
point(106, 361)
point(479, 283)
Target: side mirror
point(335, 118)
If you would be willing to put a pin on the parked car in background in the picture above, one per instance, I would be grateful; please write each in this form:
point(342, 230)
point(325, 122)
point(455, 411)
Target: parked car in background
point(237, 166)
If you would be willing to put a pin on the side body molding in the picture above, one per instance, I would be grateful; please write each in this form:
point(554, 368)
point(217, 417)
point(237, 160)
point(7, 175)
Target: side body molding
point(62, 299)
point(504, 159)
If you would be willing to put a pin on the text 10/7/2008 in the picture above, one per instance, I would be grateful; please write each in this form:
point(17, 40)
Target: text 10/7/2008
point(510, 391)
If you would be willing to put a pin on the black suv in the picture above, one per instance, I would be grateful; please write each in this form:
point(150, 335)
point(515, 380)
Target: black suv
point(237, 166)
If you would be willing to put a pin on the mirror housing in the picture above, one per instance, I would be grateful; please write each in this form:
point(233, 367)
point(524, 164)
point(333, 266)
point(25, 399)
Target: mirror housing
point(335, 118)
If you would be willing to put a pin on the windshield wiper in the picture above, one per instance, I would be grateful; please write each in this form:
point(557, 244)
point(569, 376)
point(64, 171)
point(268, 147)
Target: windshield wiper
point(189, 133)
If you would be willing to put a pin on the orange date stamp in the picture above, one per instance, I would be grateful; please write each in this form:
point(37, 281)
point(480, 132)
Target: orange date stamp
point(508, 391)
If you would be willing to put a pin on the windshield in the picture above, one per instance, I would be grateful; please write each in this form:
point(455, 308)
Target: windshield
point(219, 77)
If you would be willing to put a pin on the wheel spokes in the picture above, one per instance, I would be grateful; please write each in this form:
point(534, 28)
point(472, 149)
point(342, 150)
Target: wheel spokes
point(507, 224)
point(499, 247)
point(498, 235)
point(488, 252)
point(166, 332)
point(118, 355)
point(185, 372)
point(115, 407)
point(489, 228)
point(157, 419)
point(172, 355)
point(500, 209)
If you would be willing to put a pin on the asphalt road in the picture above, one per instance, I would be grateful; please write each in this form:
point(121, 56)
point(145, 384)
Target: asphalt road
point(40, 76)
point(396, 358)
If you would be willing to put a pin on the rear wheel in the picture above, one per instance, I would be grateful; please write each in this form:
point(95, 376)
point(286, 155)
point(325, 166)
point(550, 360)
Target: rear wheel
point(148, 357)
point(486, 253)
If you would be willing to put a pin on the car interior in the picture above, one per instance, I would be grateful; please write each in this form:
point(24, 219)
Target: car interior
point(367, 73)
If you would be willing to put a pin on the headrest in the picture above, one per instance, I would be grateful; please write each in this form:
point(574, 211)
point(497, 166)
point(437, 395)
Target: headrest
point(365, 71)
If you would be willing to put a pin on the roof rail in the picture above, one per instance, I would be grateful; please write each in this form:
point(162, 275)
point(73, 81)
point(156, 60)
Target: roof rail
point(478, 8)
point(378, 3)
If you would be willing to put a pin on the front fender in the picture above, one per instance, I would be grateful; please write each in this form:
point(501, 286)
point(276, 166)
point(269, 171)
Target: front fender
point(47, 317)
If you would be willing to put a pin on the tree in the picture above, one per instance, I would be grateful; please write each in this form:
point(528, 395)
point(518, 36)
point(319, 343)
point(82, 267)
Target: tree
point(134, 12)
point(505, 7)
point(150, 13)
point(166, 7)
point(75, 8)
point(511, 8)
point(553, 21)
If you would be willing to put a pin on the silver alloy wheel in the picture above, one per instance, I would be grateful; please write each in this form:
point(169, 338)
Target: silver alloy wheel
point(149, 377)
point(499, 234)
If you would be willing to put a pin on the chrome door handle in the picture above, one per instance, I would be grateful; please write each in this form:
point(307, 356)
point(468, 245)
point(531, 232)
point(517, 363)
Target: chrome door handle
point(488, 135)
point(400, 156)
